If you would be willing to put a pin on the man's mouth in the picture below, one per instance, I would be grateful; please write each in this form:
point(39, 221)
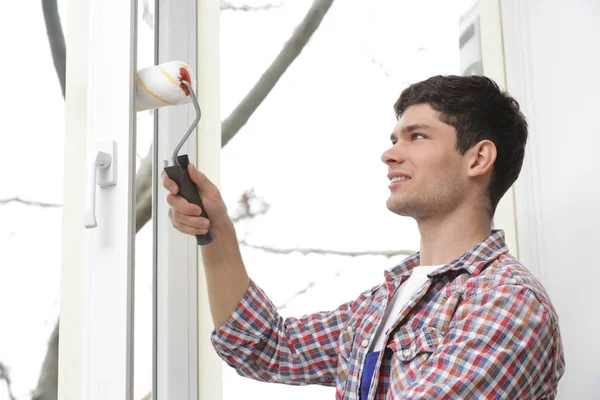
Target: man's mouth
point(399, 178)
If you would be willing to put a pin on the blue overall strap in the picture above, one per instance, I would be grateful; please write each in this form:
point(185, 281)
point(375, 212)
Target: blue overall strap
point(367, 374)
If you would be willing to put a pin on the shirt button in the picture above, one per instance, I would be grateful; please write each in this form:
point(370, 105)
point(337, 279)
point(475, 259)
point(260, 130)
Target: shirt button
point(406, 353)
point(364, 343)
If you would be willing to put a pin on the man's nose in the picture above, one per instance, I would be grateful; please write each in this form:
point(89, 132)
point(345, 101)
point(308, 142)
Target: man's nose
point(394, 155)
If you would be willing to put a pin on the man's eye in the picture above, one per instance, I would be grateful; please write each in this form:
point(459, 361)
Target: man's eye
point(416, 136)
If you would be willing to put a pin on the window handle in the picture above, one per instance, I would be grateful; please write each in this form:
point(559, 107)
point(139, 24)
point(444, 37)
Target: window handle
point(102, 171)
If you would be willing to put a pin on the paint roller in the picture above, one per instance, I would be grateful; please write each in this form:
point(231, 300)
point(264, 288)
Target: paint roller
point(169, 84)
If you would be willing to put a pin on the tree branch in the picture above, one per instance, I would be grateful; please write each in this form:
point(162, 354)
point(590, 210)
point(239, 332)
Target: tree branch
point(299, 293)
point(56, 39)
point(47, 386)
point(311, 284)
point(290, 51)
point(147, 14)
point(143, 192)
point(250, 206)
point(148, 396)
point(305, 251)
point(227, 6)
point(29, 202)
point(4, 376)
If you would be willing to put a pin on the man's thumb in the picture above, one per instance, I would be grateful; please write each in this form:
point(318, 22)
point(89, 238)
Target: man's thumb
point(202, 182)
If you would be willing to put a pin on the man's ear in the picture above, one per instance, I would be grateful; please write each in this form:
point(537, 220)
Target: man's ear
point(481, 158)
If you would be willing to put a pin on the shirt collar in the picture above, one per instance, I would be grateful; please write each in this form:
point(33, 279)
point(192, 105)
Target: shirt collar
point(472, 261)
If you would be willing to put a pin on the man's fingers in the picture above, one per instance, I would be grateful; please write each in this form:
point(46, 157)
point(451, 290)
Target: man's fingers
point(183, 206)
point(191, 221)
point(168, 183)
point(199, 226)
point(186, 216)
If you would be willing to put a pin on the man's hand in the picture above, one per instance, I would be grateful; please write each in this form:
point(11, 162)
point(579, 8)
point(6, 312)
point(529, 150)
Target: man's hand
point(184, 215)
point(226, 275)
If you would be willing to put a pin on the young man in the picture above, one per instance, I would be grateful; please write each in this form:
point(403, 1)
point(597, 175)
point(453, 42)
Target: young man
point(460, 319)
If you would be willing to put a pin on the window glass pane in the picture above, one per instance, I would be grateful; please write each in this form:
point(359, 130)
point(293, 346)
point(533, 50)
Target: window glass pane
point(312, 149)
point(31, 170)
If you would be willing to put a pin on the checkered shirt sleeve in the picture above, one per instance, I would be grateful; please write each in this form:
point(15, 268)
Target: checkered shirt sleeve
point(260, 344)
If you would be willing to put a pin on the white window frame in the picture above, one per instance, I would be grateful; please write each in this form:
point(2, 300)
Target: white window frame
point(103, 352)
point(175, 282)
point(176, 361)
point(210, 381)
point(185, 366)
point(71, 289)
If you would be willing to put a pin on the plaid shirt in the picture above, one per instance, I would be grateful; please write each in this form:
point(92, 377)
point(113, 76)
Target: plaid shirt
point(481, 327)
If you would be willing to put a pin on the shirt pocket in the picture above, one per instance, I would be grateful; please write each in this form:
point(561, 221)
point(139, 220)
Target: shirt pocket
point(411, 348)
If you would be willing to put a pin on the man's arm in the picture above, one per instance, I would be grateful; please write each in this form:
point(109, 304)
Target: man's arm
point(262, 345)
point(249, 333)
point(502, 343)
point(226, 275)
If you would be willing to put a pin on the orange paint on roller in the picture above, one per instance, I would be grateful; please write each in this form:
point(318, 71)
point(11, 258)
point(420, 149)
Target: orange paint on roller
point(185, 76)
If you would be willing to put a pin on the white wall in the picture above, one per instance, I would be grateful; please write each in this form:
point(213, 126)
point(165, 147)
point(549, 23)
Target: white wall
point(552, 53)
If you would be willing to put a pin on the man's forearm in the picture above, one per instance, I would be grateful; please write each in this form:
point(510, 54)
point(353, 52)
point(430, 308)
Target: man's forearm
point(226, 275)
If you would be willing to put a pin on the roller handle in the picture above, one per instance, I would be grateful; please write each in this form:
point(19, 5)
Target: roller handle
point(189, 191)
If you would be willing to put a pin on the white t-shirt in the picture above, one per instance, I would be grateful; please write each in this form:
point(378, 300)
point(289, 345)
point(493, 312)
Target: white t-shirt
point(399, 300)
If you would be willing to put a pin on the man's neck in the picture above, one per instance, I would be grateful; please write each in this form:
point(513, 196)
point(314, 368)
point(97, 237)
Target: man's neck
point(446, 238)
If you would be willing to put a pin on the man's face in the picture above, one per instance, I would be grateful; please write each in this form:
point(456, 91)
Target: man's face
point(426, 171)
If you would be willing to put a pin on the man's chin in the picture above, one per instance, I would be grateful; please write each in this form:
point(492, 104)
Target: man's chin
point(399, 208)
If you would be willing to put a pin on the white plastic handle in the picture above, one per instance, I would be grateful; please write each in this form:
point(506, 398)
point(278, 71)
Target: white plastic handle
point(101, 172)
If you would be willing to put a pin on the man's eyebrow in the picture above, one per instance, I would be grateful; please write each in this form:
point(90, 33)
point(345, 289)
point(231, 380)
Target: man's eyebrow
point(410, 128)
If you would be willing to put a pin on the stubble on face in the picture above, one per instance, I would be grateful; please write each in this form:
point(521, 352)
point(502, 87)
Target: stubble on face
point(436, 197)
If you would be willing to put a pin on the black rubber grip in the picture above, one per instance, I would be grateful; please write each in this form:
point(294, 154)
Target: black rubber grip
point(189, 191)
